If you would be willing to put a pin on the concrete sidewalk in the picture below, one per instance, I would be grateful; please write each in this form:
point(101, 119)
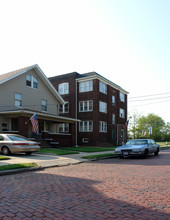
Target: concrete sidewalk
point(46, 160)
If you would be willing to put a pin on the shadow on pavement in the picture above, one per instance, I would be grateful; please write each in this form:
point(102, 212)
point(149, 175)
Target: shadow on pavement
point(42, 195)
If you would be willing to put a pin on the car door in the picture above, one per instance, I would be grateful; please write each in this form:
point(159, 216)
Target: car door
point(1, 141)
point(150, 146)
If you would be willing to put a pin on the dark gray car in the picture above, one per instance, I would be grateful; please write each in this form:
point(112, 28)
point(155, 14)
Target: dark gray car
point(13, 143)
point(138, 147)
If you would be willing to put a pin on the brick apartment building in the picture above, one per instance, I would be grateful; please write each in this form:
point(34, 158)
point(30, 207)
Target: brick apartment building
point(100, 104)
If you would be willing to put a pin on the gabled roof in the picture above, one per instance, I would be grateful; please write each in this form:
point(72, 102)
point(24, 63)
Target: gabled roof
point(9, 76)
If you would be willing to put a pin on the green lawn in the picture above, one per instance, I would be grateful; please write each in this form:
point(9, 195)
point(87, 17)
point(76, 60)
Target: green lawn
point(165, 143)
point(4, 158)
point(89, 149)
point(75, 150)
point(98, 156)
point(57, 151)
point(17, 166)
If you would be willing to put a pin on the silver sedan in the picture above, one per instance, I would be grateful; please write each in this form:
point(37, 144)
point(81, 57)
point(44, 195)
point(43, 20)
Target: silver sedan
point(138, 147)
point(13, 143)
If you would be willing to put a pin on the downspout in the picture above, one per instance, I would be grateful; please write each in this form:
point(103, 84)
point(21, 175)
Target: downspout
point(76, 117)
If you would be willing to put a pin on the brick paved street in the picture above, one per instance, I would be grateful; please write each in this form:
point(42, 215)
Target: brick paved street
point(106, 189)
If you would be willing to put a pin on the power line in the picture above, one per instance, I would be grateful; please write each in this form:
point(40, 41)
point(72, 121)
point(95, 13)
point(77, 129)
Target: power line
point(149, 95)
point(149, 103)
point(149, 99)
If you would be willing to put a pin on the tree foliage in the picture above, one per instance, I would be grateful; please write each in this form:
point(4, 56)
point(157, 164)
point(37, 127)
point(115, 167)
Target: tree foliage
point(139, 127)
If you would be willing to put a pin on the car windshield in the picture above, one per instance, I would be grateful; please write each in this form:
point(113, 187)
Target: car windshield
point(136, 142)
point(17, 138)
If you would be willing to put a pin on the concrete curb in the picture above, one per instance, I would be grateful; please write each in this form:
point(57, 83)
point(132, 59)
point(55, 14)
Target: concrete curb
point(23, 170)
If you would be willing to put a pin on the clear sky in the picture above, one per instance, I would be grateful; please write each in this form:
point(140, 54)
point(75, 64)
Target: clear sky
point(126, 41)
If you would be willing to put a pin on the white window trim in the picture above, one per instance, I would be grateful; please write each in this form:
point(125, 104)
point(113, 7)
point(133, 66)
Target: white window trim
point(88, 126)
point(88, 106)
point(121, 113)
point(122, 97)
point(62, 91)
point(102, 126)
point(64, 128)
point(82, 87)
point(18, 100)
point(102, 107)
point(63, 108)
point(102, 87)
point(43, 100)
point(113, 103)
point(32, 81)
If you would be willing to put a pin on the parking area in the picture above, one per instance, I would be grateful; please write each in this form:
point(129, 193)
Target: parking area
point(128, 188)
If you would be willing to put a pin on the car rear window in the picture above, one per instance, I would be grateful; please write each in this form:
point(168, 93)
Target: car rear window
point(17, 138)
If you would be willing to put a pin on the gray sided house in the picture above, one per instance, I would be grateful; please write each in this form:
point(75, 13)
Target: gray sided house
point(25, 92)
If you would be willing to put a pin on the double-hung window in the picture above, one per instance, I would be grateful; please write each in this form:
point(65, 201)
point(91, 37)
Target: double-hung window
point(18, 100)
point(31, 81)
point(102, 87)
point(113, 119)
point(86, 86)
point(103, 107)
point(122, 113)
point(64, 128)
point(122, 97)
point(64, 108)
point(86, 106)
point(102, 126)
point(86, 126)
point(113, 100)
point(44, 105)
point(63, 88)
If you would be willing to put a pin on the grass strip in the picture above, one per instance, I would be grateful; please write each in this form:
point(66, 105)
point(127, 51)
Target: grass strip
point(17, 166)
point(4, 158)
point(57, 151)
point(98, 156)
point(89, 149)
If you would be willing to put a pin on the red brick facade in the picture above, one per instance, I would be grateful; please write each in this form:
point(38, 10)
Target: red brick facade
point(95, 137)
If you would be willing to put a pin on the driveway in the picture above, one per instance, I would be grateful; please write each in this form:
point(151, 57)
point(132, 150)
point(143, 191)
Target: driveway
point(106, 189)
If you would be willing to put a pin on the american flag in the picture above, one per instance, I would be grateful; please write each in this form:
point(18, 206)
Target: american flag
point(126, 124)
point(34, 122)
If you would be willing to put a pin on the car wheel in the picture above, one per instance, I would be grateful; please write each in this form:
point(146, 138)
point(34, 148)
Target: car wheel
point(28, 153)
point(156, 152)
point(146, 153)
point(6, 151)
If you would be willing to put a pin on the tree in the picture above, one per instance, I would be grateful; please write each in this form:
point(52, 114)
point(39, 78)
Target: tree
point(156, 122)
point(166, 132)
point(132, 128)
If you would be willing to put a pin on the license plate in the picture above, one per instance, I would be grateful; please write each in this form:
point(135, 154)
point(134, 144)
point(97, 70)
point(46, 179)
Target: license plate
point(125, 153)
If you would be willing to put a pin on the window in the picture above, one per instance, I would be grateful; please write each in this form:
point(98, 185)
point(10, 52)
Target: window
point(28, 80)
point(103, 126)
point(86, 126)
point(63, 128)
point(31, 81)
point(35, 82)
point(122, 113)
point(122, 97)
point(86, 86)
point(64, 108)
point(102, 87)
point(113, 118)
point(86, 106)
point(18, 100)
point(103, 107)
point(63, 88)
point(113, 100)
point(44, 105)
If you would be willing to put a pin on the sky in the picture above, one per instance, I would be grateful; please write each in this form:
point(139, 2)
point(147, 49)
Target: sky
point(126, 41)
